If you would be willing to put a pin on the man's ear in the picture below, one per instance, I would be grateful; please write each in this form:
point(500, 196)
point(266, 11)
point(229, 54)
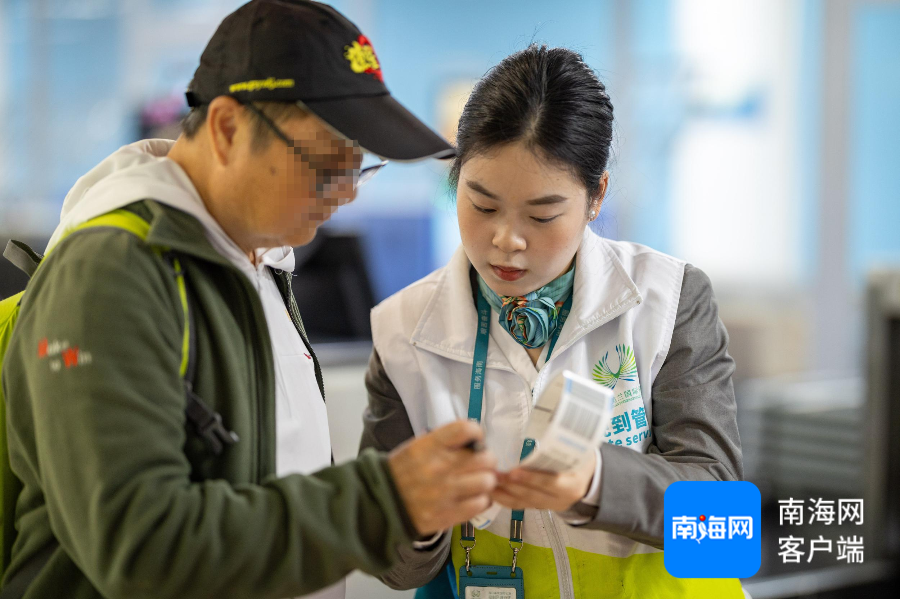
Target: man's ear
point(223, 119)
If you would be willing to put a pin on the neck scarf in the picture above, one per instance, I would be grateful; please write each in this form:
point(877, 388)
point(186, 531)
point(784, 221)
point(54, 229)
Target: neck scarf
point(531, 319)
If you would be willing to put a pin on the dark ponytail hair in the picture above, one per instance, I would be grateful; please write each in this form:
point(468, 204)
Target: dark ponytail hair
point(547, 98)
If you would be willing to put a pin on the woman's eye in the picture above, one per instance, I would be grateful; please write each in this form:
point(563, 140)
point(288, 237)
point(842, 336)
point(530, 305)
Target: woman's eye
point(547, 220)
point(481, 209)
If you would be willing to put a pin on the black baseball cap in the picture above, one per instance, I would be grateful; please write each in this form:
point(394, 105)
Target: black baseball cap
point(307, 52)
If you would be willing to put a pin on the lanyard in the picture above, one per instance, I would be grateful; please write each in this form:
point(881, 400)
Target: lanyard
point(476, 395)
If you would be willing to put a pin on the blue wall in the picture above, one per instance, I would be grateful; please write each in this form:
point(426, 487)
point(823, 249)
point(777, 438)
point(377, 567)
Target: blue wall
point(81, 75)
point(439, 41)
point(874, 203)
point(809, 134)
point(657, 109)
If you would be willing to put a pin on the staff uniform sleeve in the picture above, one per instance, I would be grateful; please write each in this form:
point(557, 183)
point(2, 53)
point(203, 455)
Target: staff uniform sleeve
point(695, 434)
point(108, 439)
point(385, 426)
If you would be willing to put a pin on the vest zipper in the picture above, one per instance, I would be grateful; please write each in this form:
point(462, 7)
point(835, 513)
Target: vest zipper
point(561, 557)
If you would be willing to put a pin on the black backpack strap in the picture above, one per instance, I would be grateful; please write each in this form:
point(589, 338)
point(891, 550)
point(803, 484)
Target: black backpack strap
point(21, 255)
point(205, 420)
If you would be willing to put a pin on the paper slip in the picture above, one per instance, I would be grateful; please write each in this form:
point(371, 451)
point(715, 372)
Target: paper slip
point(567, 424)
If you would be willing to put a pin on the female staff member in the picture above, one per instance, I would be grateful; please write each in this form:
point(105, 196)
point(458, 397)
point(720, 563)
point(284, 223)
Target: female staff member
point(530, 173)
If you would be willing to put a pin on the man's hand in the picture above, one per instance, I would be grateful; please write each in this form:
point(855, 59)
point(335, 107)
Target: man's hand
point(442, 482)
point(525, 488)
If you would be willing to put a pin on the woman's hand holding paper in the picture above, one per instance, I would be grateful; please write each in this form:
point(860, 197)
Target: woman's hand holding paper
point(526, 488)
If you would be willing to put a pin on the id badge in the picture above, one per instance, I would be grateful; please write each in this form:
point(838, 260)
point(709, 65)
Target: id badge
point(491, 582)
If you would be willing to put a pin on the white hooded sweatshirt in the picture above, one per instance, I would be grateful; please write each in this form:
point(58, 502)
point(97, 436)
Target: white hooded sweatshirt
point(140, 171)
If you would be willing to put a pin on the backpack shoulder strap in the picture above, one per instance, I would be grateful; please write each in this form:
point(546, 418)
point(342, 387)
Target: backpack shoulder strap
point(27, 260)
point(120, 219)
point(19, 254)
point(207, 421)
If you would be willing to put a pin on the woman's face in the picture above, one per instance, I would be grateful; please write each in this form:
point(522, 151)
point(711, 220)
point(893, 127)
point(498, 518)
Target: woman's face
point(521, 218)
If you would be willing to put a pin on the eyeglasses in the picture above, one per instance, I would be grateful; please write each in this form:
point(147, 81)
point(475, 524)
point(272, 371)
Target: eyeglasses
point(360, 176)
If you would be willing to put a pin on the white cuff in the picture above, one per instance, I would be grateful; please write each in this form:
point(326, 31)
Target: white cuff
point(427, 544)
point(592, 498)
point(593, 494)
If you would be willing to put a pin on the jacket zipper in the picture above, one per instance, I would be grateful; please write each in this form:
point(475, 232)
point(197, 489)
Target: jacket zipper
point(251, 318)
point(294, 313)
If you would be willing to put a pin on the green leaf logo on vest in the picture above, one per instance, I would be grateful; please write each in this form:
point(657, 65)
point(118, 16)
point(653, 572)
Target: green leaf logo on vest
point(627, 370)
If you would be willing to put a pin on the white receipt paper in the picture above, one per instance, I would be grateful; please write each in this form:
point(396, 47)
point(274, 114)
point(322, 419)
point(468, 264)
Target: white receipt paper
point(567, 424)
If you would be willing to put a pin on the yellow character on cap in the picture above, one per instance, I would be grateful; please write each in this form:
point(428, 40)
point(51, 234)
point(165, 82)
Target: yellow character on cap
point(362, 57)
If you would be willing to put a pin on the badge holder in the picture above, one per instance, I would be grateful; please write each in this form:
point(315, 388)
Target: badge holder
point(487, 581)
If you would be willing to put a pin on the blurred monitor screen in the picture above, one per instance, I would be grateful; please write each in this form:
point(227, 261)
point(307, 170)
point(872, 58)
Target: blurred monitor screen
point(333, 289)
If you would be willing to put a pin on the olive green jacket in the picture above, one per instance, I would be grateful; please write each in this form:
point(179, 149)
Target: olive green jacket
point(121, 497)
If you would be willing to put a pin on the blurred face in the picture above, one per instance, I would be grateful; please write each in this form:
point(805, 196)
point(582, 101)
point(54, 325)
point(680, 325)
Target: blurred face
point(312, 179)
point(521, 218)
point(280, 194)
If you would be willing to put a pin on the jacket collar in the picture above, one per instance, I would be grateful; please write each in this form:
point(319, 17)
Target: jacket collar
point(603, 291)
point(180, 231)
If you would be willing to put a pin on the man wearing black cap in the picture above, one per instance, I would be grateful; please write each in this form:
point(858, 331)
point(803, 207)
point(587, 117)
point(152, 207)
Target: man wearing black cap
point(165, 409)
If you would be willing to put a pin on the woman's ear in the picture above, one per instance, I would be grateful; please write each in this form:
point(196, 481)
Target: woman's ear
point(597, 200)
